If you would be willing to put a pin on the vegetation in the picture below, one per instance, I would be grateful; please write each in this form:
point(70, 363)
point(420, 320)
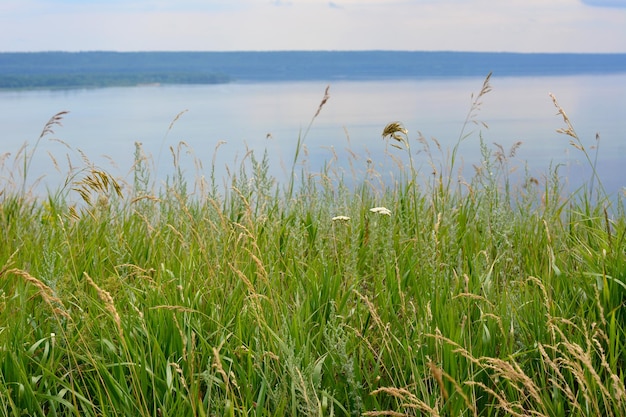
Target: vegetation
point(423, 296)
point(96, 80)
point(101, 68)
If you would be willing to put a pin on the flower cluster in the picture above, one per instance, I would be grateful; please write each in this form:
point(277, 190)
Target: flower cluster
point(381, 210)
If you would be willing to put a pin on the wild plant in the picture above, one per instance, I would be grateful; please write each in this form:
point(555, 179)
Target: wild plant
point(300, 143)
point(322, 296)
point(25, 156)
point(577, 143)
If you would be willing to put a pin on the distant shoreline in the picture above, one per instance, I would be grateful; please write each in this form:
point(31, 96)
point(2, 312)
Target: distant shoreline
point(96, 69)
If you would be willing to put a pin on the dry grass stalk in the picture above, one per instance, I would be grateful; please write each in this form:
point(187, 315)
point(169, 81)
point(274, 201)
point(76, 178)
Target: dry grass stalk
point(377, 320)
point(8, 263)
point(397, 132)
point(372, 309)
point(498, 320)
point(46, 293)
point(248, 212)
point(28, 156)
point(580, 362)
point(54, 162)
point(384, 329)
point(217, 364)
point(618, 385)
point(229, 378)
point(569, 130)
point(457, 348)
point(105, 296)
point(385, 413)
point(253, 295)
point(544, 293)
point(3, 159)
point(459, 390)
point(178, 309)
point(502, 156)
point(176, 119)
point(137, 272)
point(409, 399)
point(183, 336)
point(98, 182)
point(559, 380)
point(146, 197)
point(511, 408)
point(476, 105)
point(54, 121)
point(179, 235)
point(512, 372)
point(509, 371)
point(261, 271)
point(486, 86)
point(473, 296)
point(181, 375)
point(324, 100)
point(437, 373)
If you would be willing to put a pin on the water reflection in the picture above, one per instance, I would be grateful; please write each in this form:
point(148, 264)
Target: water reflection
point(271, 116)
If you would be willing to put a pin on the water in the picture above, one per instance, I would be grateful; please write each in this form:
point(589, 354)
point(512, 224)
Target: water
point(105, 123)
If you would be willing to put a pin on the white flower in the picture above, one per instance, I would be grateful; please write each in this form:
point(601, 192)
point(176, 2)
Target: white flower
point(381, 210)
point(341, 218)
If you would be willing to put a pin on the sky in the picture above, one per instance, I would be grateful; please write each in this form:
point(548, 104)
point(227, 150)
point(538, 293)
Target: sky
point(245, 25)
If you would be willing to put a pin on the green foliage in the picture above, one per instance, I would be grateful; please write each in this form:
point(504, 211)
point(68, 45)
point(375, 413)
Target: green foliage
point(485, 298)
point(99, 80)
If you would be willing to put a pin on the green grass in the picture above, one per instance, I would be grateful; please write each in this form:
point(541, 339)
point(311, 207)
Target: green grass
point(476, 297)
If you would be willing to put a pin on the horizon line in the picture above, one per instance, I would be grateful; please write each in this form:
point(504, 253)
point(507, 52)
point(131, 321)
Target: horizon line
point(311, 51)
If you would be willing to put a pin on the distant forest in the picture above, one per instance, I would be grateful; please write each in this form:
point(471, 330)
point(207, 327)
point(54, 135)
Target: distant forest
point(102, 69)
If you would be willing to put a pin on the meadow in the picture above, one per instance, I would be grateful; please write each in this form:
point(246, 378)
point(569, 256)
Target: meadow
point(321, 295)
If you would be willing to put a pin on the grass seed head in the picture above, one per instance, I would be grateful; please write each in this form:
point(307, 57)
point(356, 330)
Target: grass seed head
point(397, 132)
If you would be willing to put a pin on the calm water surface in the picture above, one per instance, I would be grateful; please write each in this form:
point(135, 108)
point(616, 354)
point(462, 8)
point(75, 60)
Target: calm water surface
point(105, 124)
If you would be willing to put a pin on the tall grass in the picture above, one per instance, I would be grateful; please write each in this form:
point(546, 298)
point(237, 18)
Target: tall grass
point(453, 296)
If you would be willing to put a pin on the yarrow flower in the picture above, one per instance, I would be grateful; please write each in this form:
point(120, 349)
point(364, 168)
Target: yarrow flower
point(341, 218)
point(381, 210)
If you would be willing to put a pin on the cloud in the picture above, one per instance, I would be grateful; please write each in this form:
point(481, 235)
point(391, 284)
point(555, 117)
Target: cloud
point(605, 3)
point(125, 6)
point(512, 25)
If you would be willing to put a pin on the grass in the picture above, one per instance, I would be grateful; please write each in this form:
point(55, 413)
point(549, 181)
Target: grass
point(472, 297)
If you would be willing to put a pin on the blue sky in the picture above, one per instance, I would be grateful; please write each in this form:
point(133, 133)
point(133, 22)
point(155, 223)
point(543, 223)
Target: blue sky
point(223, 25)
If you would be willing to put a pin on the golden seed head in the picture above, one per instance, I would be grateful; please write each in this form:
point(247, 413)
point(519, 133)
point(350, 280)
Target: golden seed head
point(393, 130)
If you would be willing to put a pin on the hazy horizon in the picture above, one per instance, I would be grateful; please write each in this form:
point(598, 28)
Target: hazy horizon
point(307, 50)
